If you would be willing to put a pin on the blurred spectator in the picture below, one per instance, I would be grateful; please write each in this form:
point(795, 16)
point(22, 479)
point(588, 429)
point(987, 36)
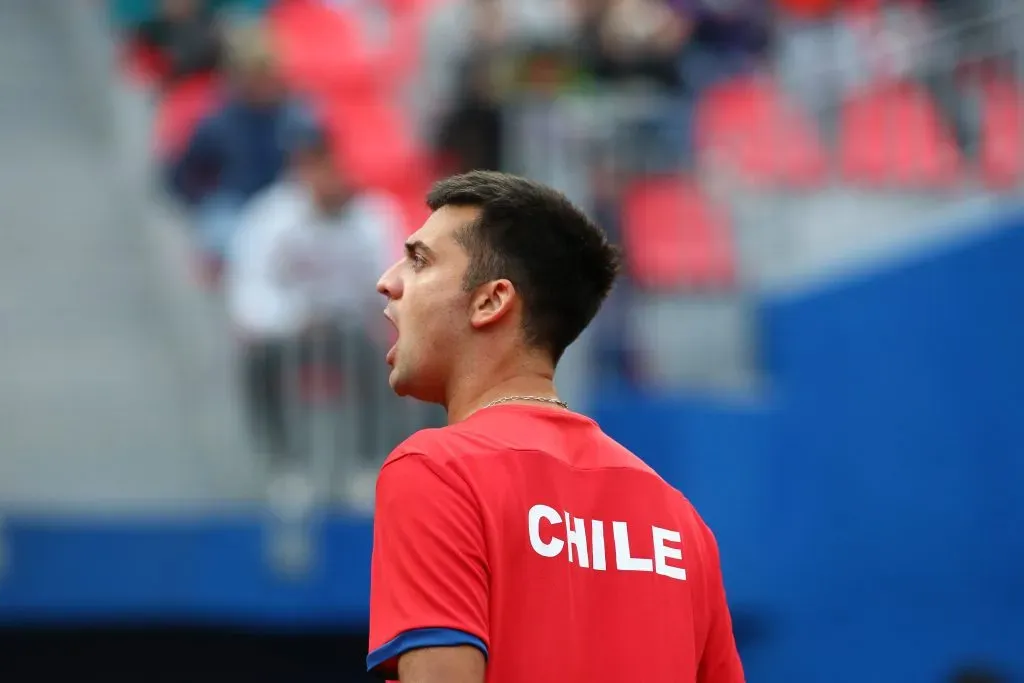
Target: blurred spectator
point(637, 44)
point(629, 40)
point(810, 54)
point(980, 37)
point(236, 151)
point(184, 36)
point(823, 58)
point(301, 289)
point(466, 43)
point(471, 133)
point(729, 37)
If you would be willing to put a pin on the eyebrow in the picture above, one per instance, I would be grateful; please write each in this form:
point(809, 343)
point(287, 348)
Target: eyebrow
point(417, 246)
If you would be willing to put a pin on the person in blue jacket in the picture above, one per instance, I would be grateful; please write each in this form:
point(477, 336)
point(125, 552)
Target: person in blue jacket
point(240, 148)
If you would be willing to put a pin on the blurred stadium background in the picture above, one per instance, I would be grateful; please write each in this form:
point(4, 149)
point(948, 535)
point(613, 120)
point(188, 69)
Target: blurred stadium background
point(819, 336)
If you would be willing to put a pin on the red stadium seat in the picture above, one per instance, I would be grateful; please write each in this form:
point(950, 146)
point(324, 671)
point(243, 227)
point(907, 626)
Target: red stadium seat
point(673, 236)
point(406, 7)
point(180, 110)
point(141, 64)
point(893, 135)
point(404, 48)
point(408, 20)
point(1002, 133)
point(375, 144)
point(321, 47)
point(748, 125)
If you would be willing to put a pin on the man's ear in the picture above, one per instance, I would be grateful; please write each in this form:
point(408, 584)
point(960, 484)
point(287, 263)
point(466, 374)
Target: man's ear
point(491, 302)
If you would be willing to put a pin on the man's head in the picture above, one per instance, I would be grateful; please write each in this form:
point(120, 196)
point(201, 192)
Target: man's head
point(505, 271)
point(314, 164)
point(252, 65)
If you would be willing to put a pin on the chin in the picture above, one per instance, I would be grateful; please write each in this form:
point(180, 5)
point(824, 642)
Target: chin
point(397, 385)
point(401, 383)
point(404, 387)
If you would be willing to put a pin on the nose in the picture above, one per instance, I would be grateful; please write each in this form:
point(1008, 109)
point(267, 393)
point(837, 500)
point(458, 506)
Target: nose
point(390, 284)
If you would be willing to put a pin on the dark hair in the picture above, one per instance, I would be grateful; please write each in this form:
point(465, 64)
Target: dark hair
point(560, 262)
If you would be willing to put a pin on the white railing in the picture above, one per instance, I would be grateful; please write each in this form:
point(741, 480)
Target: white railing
point(323, 419)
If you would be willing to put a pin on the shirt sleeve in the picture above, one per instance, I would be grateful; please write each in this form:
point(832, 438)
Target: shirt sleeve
point(429, 574)
point(720, 661)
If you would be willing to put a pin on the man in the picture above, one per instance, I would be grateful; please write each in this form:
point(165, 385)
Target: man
point(464, 37)
point(300, 288)
point(520, 543)
point(236, 152)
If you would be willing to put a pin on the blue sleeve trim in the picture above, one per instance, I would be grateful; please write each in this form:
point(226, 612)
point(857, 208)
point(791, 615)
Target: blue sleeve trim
point(384, 660)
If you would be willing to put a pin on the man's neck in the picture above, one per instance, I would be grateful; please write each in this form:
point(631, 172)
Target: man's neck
point(478, 391)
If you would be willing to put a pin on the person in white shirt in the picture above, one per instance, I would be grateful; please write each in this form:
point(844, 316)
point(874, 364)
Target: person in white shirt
point(301, 283)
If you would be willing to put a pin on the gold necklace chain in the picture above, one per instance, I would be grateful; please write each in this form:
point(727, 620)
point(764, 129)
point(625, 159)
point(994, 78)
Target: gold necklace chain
point(539, 399)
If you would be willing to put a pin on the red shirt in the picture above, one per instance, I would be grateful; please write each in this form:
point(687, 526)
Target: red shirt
point(528, 533)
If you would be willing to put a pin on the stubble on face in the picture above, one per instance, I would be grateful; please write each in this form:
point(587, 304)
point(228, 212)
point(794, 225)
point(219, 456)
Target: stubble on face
point(431, 309)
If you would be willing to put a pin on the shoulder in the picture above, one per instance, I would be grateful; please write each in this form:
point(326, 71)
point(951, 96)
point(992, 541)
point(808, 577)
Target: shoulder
point(447, 448)
point(614, 454)
point(270, 212)
point(288, 191)
point(433, 445)
point(283, 199)
point(428, 466)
